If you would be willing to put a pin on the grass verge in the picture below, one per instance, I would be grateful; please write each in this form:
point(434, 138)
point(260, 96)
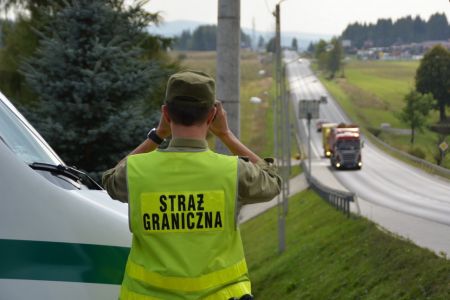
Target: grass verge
point(331, 257)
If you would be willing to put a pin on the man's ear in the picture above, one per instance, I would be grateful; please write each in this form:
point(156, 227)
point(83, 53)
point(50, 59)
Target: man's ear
point(211, 115)
point(165, 113)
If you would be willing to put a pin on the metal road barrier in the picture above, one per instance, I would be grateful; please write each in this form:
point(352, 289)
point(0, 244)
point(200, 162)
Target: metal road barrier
point(338, 199)
point(432, 168)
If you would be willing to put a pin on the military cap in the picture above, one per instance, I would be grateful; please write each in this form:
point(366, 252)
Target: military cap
point(191, 88)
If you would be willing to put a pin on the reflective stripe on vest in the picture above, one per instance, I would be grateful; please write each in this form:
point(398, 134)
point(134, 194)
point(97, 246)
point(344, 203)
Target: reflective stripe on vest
point(188, 284)
point(185, 239)
point(240, 288)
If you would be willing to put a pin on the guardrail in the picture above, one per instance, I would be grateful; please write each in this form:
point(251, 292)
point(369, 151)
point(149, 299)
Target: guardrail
point(426, 165)
point(338, 199)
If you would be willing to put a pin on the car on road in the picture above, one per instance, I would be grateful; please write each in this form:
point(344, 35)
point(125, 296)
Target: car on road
point(61, 235)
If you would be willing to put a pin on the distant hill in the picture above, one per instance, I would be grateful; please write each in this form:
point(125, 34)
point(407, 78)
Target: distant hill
point(175, 28)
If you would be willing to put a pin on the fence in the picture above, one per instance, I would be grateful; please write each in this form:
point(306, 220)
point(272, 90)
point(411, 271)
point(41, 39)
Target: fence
point(423, 164)
point(338, 199)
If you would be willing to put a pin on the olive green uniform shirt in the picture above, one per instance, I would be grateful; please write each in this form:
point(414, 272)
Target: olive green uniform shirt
point(257, 182)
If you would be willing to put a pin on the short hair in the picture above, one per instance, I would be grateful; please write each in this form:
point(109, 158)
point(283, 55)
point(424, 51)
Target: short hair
point(184, 113)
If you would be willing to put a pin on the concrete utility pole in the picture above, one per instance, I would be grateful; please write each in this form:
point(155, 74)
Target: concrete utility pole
point(279, 133)
point(228, 68)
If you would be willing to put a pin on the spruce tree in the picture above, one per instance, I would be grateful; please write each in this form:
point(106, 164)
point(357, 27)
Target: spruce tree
point(91, 77)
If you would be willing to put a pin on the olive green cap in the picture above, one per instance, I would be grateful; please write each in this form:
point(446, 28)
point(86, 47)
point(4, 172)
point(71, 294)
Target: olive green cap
point(191, 88)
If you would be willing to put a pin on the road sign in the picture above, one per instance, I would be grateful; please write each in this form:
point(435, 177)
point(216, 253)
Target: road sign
point(308, 107)
point(443, 146)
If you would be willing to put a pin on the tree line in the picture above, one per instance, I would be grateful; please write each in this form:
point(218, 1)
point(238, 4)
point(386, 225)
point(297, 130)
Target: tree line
point(204, 38)
point(385, 32)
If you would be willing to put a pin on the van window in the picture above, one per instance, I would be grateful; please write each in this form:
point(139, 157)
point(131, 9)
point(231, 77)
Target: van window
point(19, 139)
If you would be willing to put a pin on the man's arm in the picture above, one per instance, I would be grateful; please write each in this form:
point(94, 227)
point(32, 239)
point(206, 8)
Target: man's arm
point(163, 131)
point(258, 182)
point(219, 127)
point(115, 180)
point(258, 178)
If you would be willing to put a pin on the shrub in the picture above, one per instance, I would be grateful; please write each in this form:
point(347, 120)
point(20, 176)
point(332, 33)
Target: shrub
point(417, 152)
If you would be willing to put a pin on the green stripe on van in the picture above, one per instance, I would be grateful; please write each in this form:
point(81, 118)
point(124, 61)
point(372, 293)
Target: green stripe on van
point(38, 260)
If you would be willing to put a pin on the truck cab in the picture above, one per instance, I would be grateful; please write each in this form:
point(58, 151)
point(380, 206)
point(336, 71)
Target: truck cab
point(345, 144)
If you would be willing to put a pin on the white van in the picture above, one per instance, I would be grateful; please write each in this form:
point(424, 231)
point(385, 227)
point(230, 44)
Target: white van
point(61, 235)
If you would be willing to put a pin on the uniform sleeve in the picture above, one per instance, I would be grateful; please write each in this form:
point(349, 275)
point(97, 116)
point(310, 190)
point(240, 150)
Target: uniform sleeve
point(258, 182)
point(115, 182)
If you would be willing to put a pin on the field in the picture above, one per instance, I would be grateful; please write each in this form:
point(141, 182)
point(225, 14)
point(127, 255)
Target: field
point(372, 94)
point(256, 119)
point(331, 257)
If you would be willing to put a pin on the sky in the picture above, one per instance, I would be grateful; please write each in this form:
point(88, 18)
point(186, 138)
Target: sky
point(329, 17)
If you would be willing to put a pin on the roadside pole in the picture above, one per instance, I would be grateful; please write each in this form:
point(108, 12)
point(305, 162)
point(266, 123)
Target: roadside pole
point(280, 139)
point(309, 109)
point(309, 144)
point(228, 71)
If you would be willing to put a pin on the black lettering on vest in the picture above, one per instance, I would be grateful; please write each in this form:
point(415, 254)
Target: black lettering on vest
point(199, 220)
point(218, 222)
point(162, 200)
point(172, 198)
point(191, 206)
point(200, 202)
point(208, 219)
point(172, 207)
point(176, 221)
point(190, 224)
point(155, 221)
point(165, 222)
point(147, 224)
point(183, 226)
point(181, 204)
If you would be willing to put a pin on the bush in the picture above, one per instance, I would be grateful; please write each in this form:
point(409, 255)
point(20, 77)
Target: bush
point(417, 152)
point(375, 131)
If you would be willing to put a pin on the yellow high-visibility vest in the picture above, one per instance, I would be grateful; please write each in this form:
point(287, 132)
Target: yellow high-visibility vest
point(186, 243)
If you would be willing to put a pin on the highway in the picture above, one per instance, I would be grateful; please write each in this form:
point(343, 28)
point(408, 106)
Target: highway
point(384, 186)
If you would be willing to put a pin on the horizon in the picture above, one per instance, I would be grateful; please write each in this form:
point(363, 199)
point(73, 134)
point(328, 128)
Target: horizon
point(326, 17)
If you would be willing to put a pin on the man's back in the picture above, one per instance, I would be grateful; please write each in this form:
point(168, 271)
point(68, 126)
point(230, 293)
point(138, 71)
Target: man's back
point(184, 201)
point(183, 209)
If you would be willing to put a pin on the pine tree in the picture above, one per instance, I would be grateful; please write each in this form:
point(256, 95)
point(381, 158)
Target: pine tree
point(91, 78)
point(334, 60)
point(294, 44)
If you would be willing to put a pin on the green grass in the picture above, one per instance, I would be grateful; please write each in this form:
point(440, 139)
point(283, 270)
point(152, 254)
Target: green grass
point(296, 170)
point(372, 93)
point(331, 257)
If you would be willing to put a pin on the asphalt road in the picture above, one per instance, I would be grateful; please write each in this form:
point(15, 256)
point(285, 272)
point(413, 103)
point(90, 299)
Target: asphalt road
point(384, 186)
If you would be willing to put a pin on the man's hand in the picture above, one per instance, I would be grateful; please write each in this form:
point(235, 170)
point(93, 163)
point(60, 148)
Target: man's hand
point(219, 126)
point(163, 130)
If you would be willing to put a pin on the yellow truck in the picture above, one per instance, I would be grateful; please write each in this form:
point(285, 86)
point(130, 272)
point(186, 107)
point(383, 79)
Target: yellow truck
point(326, 131)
